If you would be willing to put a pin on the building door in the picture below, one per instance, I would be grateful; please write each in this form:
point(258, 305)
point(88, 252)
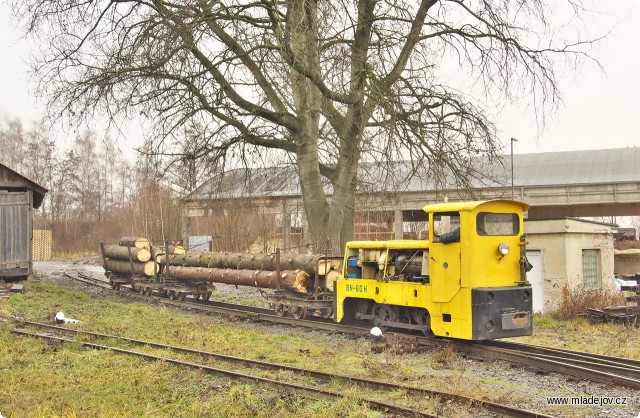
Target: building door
point(535, 276)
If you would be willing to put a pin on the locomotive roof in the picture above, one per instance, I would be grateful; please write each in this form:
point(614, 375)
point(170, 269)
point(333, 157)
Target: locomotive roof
point(470, 206)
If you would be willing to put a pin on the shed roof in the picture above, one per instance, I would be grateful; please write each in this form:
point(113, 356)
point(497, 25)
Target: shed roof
point(10, 179)
point(615, 165)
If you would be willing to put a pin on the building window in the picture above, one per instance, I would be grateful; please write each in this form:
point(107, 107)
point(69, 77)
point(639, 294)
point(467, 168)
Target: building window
point(590, 269)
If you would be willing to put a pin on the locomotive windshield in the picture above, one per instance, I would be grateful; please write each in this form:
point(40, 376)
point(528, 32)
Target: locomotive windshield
point(497, 224)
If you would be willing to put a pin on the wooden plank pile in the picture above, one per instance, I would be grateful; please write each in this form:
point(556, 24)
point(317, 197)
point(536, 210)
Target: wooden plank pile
point(629, 315)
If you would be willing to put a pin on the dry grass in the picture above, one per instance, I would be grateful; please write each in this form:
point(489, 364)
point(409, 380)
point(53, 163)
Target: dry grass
point(576, 301)
point(446, 356)
point(73, 255)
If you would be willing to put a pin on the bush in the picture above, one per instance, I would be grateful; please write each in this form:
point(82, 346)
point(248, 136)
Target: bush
point(577, 300)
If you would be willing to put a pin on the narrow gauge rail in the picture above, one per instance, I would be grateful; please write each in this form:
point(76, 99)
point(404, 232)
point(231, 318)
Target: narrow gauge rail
point(504, 410)
point(584, 366)
point(85, 278)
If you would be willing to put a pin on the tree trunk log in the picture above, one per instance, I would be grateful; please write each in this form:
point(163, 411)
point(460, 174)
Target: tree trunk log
point(122, 253)
point(296, 281)
point(135, 242)
point(124, 267)
point(239, 261)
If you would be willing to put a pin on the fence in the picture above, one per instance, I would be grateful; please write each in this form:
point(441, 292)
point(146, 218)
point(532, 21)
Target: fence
point(41, 244)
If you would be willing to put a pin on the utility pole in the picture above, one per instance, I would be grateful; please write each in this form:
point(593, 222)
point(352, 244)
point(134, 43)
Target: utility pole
point(512, 190)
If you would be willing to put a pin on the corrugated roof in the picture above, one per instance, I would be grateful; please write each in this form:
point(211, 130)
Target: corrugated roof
point(540, 169)
point(617, 165)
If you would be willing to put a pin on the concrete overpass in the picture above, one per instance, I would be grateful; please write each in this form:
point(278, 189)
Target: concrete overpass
point(589, 183)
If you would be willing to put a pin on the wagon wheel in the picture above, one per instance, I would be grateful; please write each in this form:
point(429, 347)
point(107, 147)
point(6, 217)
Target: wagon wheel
point(298, 312)
point(279, 309)
point(388, 313)
point(325, 313)
point(171, 294)
point(422, 318)
point(181, 296)
point(196, 295)
point(141, 290)
point(206, 295)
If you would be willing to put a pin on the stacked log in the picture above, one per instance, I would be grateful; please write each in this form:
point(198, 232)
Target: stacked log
point(309, 263)
point(295, 281)
point(247, 269)
point(158, 252)
point(135, 242)
point(132, 256)
point(119, 252)
point(124, 267)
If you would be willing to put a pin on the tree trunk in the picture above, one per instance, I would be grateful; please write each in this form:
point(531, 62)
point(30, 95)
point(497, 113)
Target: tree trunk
point(309, 263)
point(135, 242)
point(302, 37)
point(122, 253)
point(124, 267)
point(295, 281)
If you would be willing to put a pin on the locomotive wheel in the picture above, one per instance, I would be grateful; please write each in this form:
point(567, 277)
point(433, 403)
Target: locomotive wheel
point(206, 295)
point(325, 313)
point(298, 312)
point(149, 291)
point(422, 318)
point(196, 296)
point(279, 309)
point(181, 296)
point(141, 290)
point(382, 313)
point(171, 294)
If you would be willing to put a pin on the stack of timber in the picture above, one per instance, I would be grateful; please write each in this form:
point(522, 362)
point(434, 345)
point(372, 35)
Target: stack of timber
point(131, 257)
point(294, 280)
point(135, 242)
point(628, 315)
point(158, 252)
point(250, 269)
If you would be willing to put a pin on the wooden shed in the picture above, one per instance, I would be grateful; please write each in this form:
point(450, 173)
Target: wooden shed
point(18, 197)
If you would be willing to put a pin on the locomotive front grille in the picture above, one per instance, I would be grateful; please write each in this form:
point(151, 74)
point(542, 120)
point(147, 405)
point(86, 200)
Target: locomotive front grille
point(501, 312)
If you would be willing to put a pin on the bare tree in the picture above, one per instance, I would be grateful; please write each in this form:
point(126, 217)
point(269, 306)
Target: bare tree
point(326, 84)
point(12, 143)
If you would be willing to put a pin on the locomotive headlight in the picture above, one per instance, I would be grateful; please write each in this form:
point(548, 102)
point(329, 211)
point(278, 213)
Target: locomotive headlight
point(503, 248)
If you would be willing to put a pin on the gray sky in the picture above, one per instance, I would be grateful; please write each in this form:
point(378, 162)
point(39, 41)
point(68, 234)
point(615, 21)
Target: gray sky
point(599, 110)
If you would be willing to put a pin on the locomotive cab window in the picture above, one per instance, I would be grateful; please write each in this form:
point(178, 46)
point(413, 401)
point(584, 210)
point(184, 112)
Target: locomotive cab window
point(446, 227)
point(497, 224)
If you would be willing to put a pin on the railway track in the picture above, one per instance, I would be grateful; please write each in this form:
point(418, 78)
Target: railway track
point(578, 365)
point(318, 376)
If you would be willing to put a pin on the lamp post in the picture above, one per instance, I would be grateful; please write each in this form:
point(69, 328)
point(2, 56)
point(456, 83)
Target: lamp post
point(512, 190)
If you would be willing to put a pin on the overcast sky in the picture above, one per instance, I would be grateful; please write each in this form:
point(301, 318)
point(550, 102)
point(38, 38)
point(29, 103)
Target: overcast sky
point(599, 110)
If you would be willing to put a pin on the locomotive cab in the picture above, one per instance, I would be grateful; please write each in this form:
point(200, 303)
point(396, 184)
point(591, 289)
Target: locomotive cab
point(467, 280)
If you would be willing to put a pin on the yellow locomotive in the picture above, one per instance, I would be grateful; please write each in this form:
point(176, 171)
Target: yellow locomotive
point(467, 281)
